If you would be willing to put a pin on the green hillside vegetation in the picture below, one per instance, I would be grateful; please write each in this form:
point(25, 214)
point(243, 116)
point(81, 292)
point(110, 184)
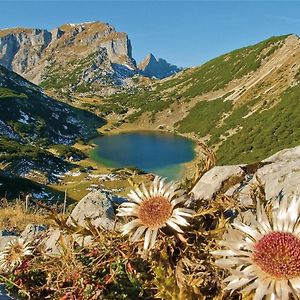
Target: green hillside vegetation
point(43, 123)
point(215, 74)
point(211, 76)
point(142, 101)
point(10, 150)
point(258, 135)
point(204, 116)
point(12, 187)
point(6, 93)
point(66, 151)
point(18, 158)
point(266, 132)
point(13, 151)
point(48, 119)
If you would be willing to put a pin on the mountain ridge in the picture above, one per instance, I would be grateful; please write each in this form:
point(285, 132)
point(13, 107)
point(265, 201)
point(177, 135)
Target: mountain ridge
point(227, 100)
point(32, 123)
point(157, 68)
point(89, 57)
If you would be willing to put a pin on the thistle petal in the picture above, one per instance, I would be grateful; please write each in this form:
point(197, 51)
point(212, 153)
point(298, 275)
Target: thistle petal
point(153, 209)
point(264, 257)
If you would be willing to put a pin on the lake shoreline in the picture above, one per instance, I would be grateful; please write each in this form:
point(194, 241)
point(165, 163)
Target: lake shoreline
point(189, 167)
point(77, 186)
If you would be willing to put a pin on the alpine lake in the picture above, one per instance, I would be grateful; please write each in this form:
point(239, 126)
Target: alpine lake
point(157, 152)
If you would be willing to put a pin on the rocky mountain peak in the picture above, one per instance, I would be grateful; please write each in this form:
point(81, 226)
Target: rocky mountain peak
point(72, 54)
point(150, 58)
point(89, 57)
point(157, 68)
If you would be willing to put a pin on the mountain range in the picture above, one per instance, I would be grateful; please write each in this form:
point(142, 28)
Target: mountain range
point(77, 58)
point(244, 104)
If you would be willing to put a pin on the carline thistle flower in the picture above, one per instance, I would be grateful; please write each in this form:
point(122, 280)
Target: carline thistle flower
point(13, 254)
point(264, 257)
point(154, 209)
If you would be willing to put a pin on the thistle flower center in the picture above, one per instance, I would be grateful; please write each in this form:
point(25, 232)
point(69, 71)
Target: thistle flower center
point(155, 211)
point(278, 254)
point(15, 252)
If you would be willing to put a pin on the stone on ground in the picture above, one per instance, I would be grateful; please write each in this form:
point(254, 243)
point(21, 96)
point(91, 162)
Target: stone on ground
point(280, 174)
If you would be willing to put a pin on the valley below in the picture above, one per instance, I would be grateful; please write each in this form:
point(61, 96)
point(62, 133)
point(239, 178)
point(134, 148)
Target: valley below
point(243, 105)
point(131, 154)
point(122, 179)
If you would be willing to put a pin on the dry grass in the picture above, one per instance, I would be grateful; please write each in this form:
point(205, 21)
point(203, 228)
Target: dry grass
point(179, 267)
point(14, 217)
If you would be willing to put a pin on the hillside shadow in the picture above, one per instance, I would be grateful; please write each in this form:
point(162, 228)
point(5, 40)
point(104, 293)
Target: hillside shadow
point(17, 188)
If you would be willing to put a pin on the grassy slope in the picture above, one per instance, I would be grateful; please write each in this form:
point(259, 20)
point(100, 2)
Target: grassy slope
point(203, 117)
point(258, 136)
point(266, 132)
point(50, 123)
point(211, 76)
point(215, 74)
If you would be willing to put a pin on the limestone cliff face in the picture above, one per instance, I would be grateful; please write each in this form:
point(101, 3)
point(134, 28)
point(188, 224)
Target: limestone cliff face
point(157, 68)
point(70, 56)
point(22, 49)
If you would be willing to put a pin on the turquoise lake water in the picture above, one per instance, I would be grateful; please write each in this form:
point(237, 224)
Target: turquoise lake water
point(155, 152)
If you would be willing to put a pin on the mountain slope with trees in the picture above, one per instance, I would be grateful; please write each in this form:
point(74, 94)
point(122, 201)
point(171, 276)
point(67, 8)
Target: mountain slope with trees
point(245, 104)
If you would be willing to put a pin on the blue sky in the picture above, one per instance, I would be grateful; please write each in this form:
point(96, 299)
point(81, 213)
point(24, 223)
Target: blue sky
point(186, 33)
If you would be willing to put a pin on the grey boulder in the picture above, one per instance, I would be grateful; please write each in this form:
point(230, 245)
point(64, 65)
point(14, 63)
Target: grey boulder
point(214, 180)
point(97, 206)
point(279, 173)
point(55, 242)
point(282, 176)
point(33, 231)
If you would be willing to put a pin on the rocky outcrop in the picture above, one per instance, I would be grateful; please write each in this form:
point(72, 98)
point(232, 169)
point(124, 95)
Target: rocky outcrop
point(157, 68)
point(74, 53)
point(214, 180)
point(21, 49)
point(77, 58)
point(98, 208)
point(52, 243)
point(280, 175)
